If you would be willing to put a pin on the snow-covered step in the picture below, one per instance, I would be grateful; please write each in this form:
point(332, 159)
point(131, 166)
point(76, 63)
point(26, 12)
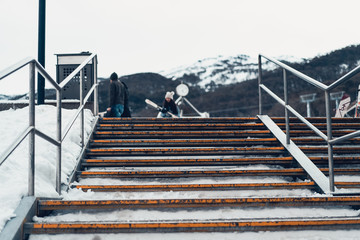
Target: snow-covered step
point(139, 151)
point(181, 134)
point(297, 172)
point(220, 225)
point(47, 205)
point(208, 161)
point(98, 143)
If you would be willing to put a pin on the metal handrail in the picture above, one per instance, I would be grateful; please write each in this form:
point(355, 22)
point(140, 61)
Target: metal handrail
point(32, 130)
point(328, 137)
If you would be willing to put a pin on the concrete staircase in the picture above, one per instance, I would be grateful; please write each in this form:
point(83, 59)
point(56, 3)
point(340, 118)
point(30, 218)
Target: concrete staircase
point(148, 175)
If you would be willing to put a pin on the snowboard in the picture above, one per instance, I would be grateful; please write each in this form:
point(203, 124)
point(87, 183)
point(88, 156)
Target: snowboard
point(151, 103)
point(343, 106)
point(357, 108)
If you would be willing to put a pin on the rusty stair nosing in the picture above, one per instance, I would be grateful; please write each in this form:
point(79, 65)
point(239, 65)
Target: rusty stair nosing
point(227, 225)
point(209, 173)
point(187, 162)
point(197, 187)
point(201, 203)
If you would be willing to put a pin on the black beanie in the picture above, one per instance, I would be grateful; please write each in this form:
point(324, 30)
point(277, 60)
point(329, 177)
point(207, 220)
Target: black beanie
point(114, 76)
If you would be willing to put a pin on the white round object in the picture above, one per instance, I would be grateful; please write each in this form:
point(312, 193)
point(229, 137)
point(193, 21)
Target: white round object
point(182, 90)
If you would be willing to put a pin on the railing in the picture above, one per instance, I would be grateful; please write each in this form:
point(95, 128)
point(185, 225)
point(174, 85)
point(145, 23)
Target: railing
point(31, 129)
point(326, 89)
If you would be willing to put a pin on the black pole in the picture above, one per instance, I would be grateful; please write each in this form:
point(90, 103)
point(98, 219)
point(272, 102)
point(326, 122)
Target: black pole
point(41, 50)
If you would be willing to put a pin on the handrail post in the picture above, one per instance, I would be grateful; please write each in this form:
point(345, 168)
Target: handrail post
point(82, 110)
point(329, 135)
point(59, 137)
point(259, 83)
point(96, 91)
point(31, 183)
point(286, 110)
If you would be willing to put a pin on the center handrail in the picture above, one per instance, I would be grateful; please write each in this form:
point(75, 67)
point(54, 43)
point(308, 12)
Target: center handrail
point(328, 137)
point(32, 130)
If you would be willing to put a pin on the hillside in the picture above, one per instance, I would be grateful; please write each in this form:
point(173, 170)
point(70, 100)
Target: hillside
point(240, 96)
point(227, 86)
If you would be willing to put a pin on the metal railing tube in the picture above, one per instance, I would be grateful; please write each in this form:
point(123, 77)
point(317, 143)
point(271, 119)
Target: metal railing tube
point(293, 111)
point(315, 129)
point(259, 84)
point(15, 67)
point(329, 135)
point(96, 93)
point(46, 137)
point(14, 145)
point(76, 71)
point(82, 109)
point(88, 95)
point(344, 78)
point(31, 182)
point(59, 139)
point(32, 131)
point(43, 72)
point(345, 137)
point(71, 123)
point(286, 110)
point(297, 73)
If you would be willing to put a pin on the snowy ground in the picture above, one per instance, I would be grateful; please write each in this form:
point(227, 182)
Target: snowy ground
point(14, 171)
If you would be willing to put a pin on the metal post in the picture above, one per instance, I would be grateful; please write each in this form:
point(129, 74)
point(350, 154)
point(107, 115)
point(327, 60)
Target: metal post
point(329, 135)
point(82, 110)
point(96, 91)
point(308, 111)
point(41, 50)
point(59, 137)
point(259, 83)
point(286, 110)
point(31, 185)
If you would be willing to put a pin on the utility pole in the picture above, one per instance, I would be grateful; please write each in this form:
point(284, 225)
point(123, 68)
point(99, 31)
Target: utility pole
point(41, 50)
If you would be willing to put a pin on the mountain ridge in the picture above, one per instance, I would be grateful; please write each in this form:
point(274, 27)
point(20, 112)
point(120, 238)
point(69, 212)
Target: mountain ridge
point(227, 86)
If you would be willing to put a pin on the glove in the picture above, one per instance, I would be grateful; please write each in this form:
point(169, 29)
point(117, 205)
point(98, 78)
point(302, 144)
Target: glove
point(164, 110)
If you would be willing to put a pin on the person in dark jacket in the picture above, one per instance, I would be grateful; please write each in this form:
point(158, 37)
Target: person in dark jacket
point(117, 97)
point(169, 105)
point(126, 112)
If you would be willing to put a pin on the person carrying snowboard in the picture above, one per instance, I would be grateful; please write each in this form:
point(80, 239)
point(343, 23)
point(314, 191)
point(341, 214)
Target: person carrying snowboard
point(169, 105)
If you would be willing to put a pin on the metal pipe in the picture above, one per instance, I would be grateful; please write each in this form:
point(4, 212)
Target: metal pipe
point(46, 137)
point(15, 144)
point(58, 137)
point(260, 83)
point(31, 183)
point(47, 76)
point(76, 71)
point(286, 110)
point(192, 106)
point(96, 92)
point(293, 111)
point(344, 78)
point(345, 137)
point(297, 73)
point(329, 135)
point(82, 109)
point(6, 72)
point(71, 123)
point(88, 95)
point(41, 49)
point(308, 111)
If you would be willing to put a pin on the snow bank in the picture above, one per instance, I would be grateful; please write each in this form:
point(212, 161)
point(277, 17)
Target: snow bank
point(14, 171)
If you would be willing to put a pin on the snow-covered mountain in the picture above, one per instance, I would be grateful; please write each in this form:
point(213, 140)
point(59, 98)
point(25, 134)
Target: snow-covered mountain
point(221, 70)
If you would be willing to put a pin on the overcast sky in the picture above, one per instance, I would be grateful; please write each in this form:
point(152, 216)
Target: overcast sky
point(133, 36)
